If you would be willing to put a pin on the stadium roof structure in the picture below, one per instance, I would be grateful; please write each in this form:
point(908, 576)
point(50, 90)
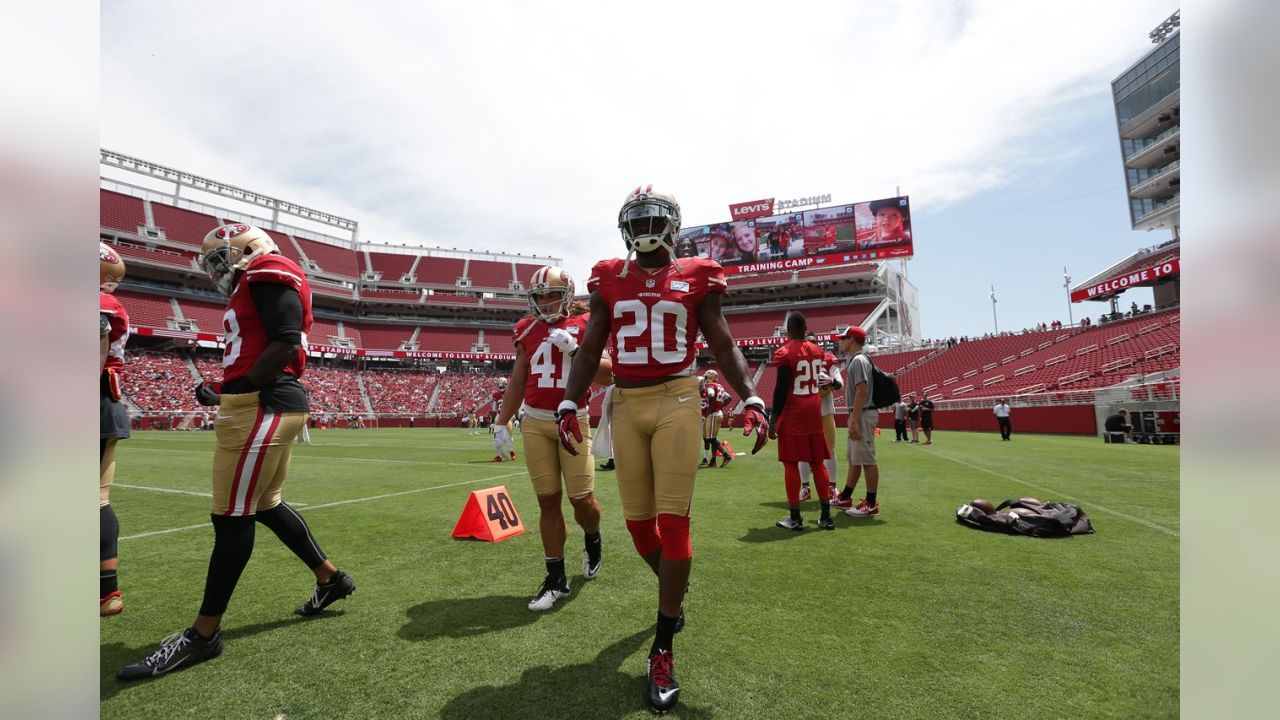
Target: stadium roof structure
point(1143, 268)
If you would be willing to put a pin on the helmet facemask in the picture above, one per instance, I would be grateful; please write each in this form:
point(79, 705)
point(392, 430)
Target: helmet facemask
point(649, 221)
point(221, 268)
point(540, 300)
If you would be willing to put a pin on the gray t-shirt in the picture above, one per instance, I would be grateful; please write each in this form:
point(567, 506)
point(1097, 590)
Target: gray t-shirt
point(858, 370)
point(900, 411)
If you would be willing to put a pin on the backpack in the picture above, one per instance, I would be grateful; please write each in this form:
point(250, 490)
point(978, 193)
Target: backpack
point(1035, 518)
point(884, 389)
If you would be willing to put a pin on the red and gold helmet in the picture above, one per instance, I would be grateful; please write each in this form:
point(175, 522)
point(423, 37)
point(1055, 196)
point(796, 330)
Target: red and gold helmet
point(710, 376)
point(649, 219)
point(110, 268)
point(550, 284)
point(228, 250)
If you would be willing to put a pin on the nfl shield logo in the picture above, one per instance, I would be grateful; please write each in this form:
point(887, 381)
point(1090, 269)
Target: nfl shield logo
point(650, 283)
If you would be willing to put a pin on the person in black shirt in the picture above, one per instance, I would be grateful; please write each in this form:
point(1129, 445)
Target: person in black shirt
point(926, 420)
point(1117, 426)
point(913, 418)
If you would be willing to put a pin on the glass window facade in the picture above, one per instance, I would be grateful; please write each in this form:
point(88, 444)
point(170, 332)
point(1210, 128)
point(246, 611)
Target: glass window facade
point(1146, 83)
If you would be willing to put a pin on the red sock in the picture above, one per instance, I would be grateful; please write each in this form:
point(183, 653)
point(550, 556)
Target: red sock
point(791, 475)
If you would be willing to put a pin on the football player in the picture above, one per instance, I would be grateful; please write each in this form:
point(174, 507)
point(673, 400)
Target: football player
point(714, 399)
point(262, 410)
point(113, 424)
point(546, 340)
point(828, 420)
point(797, 419)
point(652, 309)
point(502, 440)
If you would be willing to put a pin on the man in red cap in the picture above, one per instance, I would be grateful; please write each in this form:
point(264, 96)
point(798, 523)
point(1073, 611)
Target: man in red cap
point(862, 426)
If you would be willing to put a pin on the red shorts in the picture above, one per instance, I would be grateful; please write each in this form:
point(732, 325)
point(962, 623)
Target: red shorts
point(810, 447)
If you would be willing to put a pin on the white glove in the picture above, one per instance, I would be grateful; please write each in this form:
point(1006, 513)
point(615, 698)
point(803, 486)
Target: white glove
point(823, 379)
point(563, 340)
point(501, 436)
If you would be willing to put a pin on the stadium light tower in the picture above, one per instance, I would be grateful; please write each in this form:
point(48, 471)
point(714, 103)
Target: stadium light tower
point(1066, 285)
point(994, 320)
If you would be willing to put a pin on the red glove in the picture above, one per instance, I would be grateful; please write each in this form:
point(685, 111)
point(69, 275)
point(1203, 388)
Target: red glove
point(753, 419)
point(570, 431)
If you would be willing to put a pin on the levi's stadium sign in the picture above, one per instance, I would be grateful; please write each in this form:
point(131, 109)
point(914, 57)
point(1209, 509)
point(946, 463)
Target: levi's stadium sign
point(751, 210)
point(1136, 278)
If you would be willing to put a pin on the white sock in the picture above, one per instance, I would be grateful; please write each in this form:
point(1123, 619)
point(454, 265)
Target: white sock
point(805, 471)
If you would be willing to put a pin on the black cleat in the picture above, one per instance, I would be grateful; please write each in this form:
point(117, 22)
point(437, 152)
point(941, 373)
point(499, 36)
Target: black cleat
point(664, 691)
point(680, 620)
point(339, 586)
point(591, 561)
point(608, 466)
point(826, 523)
point(179, 650)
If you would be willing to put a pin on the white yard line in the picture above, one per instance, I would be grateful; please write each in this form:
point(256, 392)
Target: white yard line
point(163, 490)
point(1054, 493)
point(339, 502)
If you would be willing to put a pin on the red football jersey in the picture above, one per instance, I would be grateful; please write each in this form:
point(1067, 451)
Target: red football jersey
point(496, 405)
point(548, 366)
point(654, 327)
point(802, 413)
point(714, 398)
point(243, 335)
point(110, 306)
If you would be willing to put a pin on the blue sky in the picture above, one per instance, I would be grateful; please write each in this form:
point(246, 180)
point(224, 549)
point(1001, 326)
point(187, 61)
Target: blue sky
point(505, 127)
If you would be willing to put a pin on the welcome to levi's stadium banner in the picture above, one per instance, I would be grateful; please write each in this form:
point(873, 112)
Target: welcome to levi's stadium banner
point(1128, 280)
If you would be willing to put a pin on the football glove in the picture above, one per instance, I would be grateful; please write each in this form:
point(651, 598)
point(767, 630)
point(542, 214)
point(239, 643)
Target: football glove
point(564, 341)
point(570, 432)
point(753, 420)
point(209, 393)
point(824, 380)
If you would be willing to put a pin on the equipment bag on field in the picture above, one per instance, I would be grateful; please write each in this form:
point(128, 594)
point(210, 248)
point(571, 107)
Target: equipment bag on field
point(1025, 516)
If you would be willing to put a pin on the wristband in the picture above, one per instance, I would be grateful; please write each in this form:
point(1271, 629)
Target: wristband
point(754, 400)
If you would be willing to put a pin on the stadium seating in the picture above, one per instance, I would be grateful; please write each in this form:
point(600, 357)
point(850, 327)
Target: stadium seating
point(826, 273)
point(158, 382)
point(447, 339)
point(763, 323)
point(385, 337)
point(393, 266)
point(461, 394)
point(120, 212)
point(525, 271)
point(400, 296)
point(171, 258)
point(439, 271)
point(146, 310)
point(207, 315)
point(331, 258)
point(400, 391)
point(183, 226)
point(490, 274)
point(333, 390)
point(892, 362)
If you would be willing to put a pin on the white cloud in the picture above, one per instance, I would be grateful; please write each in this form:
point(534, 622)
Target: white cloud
point(510, 126)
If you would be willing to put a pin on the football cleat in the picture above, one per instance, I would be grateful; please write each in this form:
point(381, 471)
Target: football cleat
point(790, 523)
point(703, 463)
point(727, 459)
point(179, 650)
point(550, 592)
point(497, 458)
point(591, 565)
point(863, 510)
point(513, 455)
point(804, 493)
point(826, 523)
point(608, 465)
point(110, 605)
point(833, 492)
point(339, 586)
point(840, 502)
point(664, 690)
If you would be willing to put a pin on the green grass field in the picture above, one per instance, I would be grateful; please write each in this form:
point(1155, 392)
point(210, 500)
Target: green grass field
point(907, 616)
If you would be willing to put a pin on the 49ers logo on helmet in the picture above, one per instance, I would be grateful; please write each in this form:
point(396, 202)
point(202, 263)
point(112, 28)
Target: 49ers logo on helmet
point(226, 232)
point(106, 254)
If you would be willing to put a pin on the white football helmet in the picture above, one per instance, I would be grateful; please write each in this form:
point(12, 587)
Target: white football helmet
point(228, 250)
point(110, 268)
point(550, 280)
point(502, 383)
point(710, 376)
point(649, 219)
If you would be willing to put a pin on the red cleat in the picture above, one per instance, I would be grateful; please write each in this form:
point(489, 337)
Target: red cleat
point(513, 455)
point(497, 458)
point(863, 510)
point(804, 493)
point(839, 502)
